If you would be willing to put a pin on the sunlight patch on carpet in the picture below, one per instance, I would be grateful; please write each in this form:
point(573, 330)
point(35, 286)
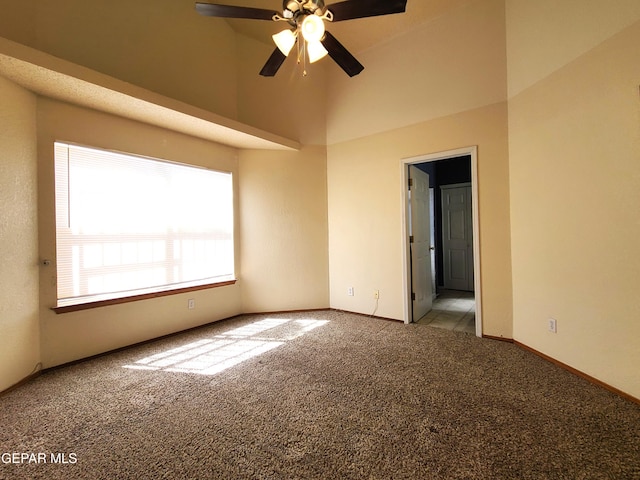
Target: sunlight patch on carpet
point(210, 356)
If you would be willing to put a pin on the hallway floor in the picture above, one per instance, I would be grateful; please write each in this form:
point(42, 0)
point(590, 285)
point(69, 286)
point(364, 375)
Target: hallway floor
point(452, 310)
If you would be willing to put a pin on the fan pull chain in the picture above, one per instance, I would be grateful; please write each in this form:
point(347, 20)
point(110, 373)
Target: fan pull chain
point(304, 56)
point(301, 55)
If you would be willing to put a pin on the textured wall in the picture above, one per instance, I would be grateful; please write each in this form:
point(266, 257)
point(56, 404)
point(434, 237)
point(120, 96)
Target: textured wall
point(441, 86)
point(283, 212)
point(19, 326)
point(365, 212)
point(575, 233)
point(70, 336)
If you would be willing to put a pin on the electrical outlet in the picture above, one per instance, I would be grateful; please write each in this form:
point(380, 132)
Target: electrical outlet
point(376, 294)
point(191, 304)
point(350, 291)
point(552, 325)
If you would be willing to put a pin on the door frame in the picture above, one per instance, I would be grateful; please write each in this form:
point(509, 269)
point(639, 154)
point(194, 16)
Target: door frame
point(406, 263)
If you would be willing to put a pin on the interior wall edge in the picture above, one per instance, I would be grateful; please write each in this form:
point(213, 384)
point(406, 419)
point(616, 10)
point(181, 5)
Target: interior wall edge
point(574, 145)
point(579, 373)
point(20, 350)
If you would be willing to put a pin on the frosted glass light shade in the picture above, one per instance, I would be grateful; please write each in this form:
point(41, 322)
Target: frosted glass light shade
point(312, 28)
point(285, 40)
point(316, 51)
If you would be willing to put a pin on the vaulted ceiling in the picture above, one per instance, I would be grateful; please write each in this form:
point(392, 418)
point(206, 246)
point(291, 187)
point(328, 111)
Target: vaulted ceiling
point(356, 35)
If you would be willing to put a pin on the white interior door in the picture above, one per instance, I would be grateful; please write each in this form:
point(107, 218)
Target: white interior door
point(457, 237)
point(420, 243)
point(432, 247)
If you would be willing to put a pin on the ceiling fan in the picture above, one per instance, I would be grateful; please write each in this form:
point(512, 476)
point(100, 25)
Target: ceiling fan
point(305, 18)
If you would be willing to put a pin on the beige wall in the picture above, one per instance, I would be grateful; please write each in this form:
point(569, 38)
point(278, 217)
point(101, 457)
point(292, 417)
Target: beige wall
point(282, 239)
point(452, 64)
point(283, 213)
point(70, 336)
point(19, 327)
point(545, 35)
point(575, 196)
point(365, 212)
point(558, 169)
point(441, 86)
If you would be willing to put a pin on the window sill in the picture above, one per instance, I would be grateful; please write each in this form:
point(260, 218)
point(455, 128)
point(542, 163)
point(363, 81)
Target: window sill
point(135, 298)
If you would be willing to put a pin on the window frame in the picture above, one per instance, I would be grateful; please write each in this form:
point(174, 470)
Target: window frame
point(143, 296)
point(127, 296)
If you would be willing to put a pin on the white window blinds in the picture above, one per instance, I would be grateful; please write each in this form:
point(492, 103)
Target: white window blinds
point(129, 225)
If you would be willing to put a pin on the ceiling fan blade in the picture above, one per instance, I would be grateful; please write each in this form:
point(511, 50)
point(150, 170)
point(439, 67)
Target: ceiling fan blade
point(272, 66)
point(341, 55)
point(229, 11)
point(350, 9)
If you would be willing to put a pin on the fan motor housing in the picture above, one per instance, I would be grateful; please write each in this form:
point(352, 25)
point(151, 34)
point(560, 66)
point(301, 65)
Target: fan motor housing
point(298, 7)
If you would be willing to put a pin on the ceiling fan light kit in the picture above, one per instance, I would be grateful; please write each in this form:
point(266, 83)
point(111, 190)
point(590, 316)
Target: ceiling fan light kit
point(306, 18)
point(315, 51)
point(285, 40)
point(312, 28)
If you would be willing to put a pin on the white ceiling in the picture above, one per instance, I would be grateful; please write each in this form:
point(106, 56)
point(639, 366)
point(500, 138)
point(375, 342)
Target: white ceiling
point(356, 35)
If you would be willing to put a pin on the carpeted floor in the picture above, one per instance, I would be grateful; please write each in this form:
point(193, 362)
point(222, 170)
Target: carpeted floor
point(320, 395)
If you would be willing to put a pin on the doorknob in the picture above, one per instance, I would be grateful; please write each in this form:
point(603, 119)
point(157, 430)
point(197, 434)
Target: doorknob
point(432, 248)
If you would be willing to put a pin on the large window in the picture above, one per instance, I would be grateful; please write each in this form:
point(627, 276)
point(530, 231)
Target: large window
point(129, 225)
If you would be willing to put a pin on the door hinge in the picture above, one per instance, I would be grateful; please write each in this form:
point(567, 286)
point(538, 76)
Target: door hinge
point(413, 296)
point(410, 183)
point(410, 238)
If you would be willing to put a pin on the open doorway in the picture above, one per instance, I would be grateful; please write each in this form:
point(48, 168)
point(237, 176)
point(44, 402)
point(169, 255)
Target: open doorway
point(453, 218)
